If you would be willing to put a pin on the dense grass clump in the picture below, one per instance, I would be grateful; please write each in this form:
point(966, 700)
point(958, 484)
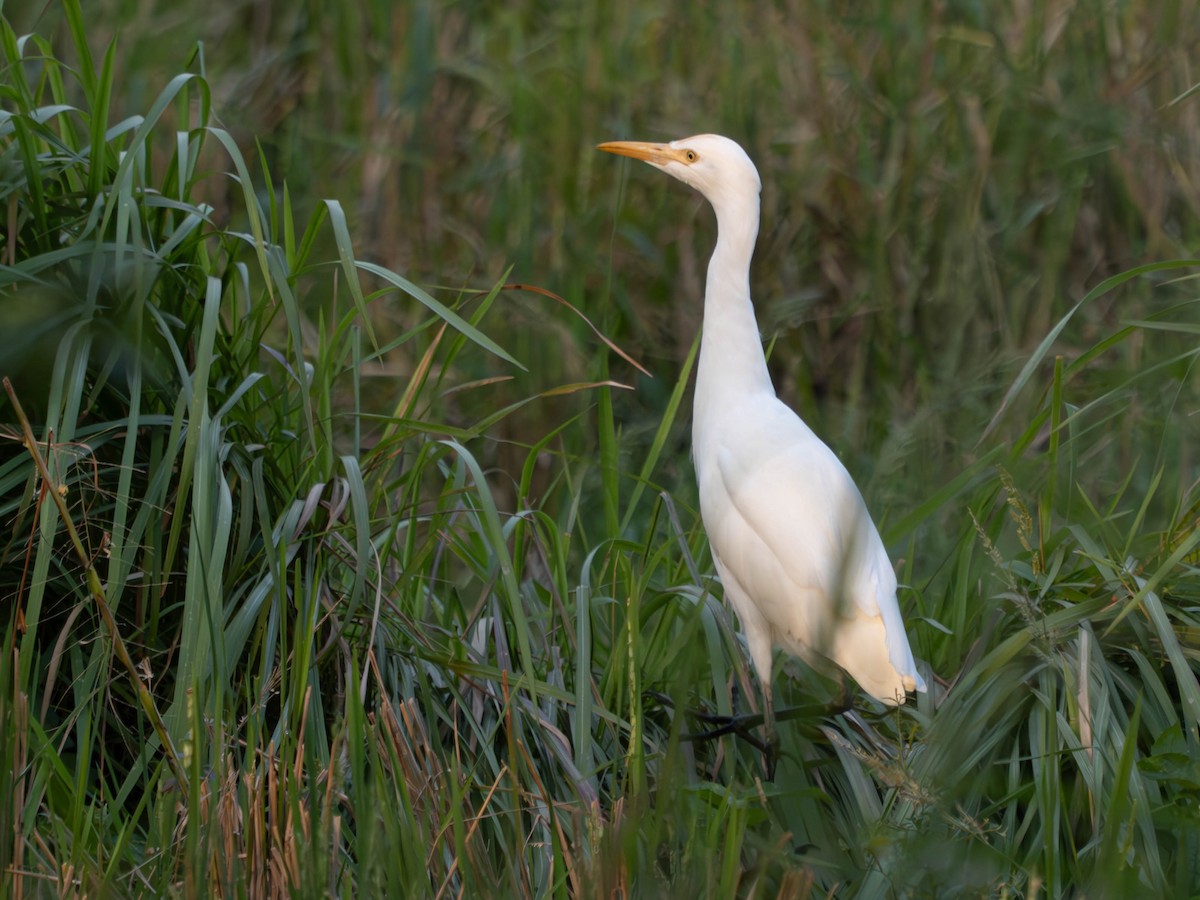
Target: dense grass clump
point(316, 581)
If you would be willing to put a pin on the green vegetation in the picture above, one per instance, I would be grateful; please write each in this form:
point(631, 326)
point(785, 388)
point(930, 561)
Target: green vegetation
point(338, 565)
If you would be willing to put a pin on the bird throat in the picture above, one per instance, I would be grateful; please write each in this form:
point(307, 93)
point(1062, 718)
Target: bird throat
point(732, 366)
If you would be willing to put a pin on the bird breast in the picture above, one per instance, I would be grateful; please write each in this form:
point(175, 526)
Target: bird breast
point(785, 518)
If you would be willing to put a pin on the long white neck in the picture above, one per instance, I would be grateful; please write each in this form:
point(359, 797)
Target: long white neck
point(732, 366)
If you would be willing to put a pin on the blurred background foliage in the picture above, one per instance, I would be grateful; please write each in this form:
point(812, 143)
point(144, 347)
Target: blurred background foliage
point(941, 181)
point(420, 598)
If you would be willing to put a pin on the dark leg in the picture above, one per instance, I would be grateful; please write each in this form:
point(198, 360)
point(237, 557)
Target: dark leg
point(845, 695)
point(771, 736)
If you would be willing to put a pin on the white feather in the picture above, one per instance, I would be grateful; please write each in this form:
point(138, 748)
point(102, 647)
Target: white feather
point(801, 561)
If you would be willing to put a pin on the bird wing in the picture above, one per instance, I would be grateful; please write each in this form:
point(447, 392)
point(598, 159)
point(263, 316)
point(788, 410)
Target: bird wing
point(786, 519)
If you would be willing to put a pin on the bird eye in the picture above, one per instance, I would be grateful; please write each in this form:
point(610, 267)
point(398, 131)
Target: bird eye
point(690, 156)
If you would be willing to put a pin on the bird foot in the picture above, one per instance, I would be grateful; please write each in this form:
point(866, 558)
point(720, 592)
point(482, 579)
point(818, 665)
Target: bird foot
point(740, 725)
point(744, 727)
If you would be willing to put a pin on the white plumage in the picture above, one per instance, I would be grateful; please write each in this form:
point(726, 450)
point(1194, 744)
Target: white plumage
point(800, 559)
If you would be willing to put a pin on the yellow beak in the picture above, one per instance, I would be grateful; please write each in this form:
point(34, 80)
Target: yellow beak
point(657, 154)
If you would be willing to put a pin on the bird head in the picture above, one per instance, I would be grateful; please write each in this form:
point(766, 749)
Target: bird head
point(714, 165)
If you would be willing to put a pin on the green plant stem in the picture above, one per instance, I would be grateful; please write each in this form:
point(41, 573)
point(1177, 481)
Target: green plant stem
point(97, 591)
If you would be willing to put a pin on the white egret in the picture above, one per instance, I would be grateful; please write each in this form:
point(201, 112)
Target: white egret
point(796, 550)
